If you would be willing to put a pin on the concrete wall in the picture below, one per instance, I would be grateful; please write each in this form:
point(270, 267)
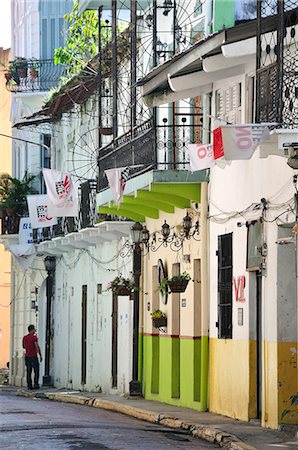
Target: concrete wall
point(237, 188)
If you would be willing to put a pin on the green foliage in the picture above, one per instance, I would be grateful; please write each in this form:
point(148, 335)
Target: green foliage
point(81, 40)
point(294, 402)
point(13, 192)
point(182, 276)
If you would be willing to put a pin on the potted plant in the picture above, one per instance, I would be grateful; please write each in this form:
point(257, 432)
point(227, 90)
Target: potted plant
point(178, 283)
point(21, 65)
point(13, 199)
point(159, 319)
point(121, 285)
point(33, 68)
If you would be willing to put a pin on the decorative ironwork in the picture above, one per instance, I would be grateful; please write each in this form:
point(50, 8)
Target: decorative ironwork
point(277, 61)
point(37, 75)
point(164, 238)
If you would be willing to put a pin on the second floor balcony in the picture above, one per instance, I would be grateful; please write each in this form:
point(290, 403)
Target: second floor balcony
point(32, 75)
point(154, 145)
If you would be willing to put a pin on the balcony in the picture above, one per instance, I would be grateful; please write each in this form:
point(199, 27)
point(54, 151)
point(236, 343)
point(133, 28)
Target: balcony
point(87, 217)
point(33, 76)
point(148, 146)
point(277, 43)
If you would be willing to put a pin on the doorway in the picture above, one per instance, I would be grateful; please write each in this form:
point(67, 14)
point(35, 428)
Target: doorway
point(84, 334)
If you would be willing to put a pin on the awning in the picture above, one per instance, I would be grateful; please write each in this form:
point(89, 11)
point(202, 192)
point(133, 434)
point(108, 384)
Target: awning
point(155, 191)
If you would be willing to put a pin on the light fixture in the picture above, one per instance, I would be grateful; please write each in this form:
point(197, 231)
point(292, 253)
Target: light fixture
point(167, 6)
point(136, 232)
point(141, 237)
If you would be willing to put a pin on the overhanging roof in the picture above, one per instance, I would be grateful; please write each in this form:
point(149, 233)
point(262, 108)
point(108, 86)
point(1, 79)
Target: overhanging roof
point(188, 73)
point(155, 191)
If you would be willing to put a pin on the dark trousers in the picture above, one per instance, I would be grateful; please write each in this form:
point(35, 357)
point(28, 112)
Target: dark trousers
point(32, 363)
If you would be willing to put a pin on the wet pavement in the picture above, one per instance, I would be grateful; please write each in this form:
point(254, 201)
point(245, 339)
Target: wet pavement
point(32, 423)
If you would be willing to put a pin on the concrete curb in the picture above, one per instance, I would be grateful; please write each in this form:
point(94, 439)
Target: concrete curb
point(210, 434)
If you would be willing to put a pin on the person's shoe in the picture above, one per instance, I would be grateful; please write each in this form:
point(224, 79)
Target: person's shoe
point(36, 386)
point(30, 388)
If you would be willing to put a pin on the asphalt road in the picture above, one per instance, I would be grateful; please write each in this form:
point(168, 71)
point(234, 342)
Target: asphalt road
point(35, 424)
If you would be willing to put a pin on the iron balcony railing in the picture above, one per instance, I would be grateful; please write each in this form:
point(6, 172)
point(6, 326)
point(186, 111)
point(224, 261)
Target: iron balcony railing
point(151, 146)
point(277, 50)
point(37, 75)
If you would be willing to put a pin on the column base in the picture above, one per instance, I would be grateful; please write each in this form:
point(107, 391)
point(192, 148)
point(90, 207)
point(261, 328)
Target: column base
point(135, 388)
point(47, 380)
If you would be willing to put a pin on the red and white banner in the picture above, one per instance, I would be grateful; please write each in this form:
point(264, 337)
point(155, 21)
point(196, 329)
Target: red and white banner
point(24, 254)
point(62, 192)
point(38, 211)
point(240, 141)
point(117, 181)
point(218, 150)
point(200, 156)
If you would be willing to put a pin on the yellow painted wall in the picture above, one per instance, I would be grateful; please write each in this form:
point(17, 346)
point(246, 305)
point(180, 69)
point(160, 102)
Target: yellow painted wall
point(5, 166)
point(287, 380)
point(232, 385)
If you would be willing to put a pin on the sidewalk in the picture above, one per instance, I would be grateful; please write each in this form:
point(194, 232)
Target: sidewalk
point(228, 433)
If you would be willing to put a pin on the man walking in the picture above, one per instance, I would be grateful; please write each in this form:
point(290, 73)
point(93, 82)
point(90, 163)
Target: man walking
point(32, 349)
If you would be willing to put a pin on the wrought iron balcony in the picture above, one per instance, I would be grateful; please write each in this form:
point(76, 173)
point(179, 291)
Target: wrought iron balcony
point(151, 146)
point(37, 75)
point(277, 50)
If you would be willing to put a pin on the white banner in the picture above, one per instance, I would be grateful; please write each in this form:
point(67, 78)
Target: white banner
point(240, 141)
point(60, 186)
point(62, 192)
point(24, 254)
point(25, 231)
point(200, 156)
point(117, 181)
point(38, 211)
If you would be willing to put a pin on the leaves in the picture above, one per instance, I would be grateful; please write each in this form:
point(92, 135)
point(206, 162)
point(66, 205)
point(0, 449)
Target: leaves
point(157, 314)
point(13, 192)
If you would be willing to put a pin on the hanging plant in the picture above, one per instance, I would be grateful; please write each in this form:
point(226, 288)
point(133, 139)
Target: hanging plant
point(121, 286)
point(178, 283)
point(159, 318)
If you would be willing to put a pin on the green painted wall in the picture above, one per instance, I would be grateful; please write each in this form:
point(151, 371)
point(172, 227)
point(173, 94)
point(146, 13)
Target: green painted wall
point(175, 370)
point(223, 14)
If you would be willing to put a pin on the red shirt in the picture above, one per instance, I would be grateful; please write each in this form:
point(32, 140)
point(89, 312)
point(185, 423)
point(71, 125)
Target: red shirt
point(29, 344)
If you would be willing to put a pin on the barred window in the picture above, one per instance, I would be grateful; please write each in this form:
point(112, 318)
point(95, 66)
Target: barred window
point(225, 282)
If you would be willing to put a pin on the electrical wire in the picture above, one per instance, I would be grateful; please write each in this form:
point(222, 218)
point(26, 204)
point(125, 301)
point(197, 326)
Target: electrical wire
point(16, 294)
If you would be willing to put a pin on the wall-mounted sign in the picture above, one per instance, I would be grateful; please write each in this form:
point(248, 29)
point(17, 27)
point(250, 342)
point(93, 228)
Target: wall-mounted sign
point(183, 302)
point(239, 286)
point(240, 317)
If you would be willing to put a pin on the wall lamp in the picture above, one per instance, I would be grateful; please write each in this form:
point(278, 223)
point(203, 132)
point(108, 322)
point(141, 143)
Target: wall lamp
point(141, 236)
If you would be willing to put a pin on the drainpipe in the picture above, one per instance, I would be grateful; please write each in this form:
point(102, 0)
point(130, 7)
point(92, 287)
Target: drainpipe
point(50, 265)
point(205, 296)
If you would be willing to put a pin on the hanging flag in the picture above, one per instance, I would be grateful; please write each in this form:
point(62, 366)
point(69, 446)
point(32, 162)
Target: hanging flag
point(117, 181)
point(62, 192)
point(218, 150)
point(200, 156)
point(25, 231)
point(59, 186)
point(24, 254)
point(70, 208)
point(38, 211)
point(240, 141)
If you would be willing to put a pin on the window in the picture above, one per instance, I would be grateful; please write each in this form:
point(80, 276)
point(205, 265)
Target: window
point(225, 279)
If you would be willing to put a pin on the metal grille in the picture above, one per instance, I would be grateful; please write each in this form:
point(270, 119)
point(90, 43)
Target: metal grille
point(225, 277)
point(277, 62)
point(37, 75)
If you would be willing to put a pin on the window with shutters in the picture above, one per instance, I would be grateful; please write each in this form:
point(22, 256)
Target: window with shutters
point(228, 103)
point(225, 284)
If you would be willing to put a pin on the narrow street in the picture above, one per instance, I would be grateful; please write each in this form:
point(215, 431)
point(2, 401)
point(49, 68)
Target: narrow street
point(41, 424)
